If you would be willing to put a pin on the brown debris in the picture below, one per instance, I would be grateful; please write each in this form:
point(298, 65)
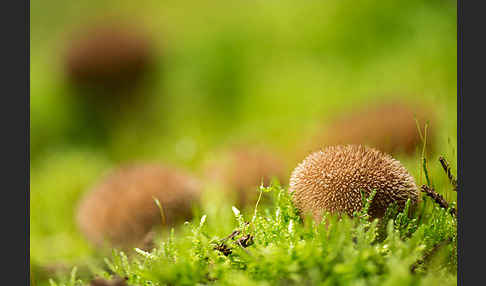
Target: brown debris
point(233, 234)
point(447, 170)
point(438, 198)
point(245, 241)
point(223, 248)
point(429, 255)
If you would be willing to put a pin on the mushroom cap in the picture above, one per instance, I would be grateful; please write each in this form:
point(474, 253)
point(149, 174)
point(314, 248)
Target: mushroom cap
point(109, 55)
point(121, 210)
point(390, 127)
point(332, 180)
point(242, 169)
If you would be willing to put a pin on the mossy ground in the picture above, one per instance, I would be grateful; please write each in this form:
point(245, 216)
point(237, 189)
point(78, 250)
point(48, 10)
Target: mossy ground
point(268, 71)
point(273, 245)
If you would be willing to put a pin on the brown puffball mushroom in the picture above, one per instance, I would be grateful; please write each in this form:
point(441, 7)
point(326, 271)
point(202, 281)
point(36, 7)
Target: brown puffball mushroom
point(389, 127)
point(332, 180)
point(108, 55)
point(241, 170)
point(121, 211)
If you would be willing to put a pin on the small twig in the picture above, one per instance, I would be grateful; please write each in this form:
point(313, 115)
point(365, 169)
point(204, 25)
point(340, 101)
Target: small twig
point(438, 198)
point(447, 170)
point(426, 258)
point(242, 247)
point(243, 241)
point(223, 248)
point(232, 235)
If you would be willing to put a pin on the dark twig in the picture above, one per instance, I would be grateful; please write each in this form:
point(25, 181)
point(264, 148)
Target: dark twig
point(438, 198)
point(447, 170)
point(235, 232)
point(223, 248)
point(429, 254)
point(243, 241)
point(232, 235)
point(242, 247)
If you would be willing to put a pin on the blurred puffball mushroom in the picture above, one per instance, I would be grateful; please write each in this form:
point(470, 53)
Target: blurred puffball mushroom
point(241, 170)
point(390, 127)
point(111, 56)
point(122, 209)
point(331, 180)
point(111, 69)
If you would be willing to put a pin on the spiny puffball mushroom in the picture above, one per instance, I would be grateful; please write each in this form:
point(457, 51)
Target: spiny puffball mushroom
point(108, 55)
point(332, 180)
point(241, 170)
point(389, 126)
point(121, 210)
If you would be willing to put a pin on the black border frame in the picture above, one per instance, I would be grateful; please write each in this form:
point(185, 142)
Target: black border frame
point(471, 199)
point(15, 118)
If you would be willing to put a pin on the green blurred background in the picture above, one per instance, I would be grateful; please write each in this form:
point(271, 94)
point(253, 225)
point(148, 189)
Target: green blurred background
point(226, 71)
